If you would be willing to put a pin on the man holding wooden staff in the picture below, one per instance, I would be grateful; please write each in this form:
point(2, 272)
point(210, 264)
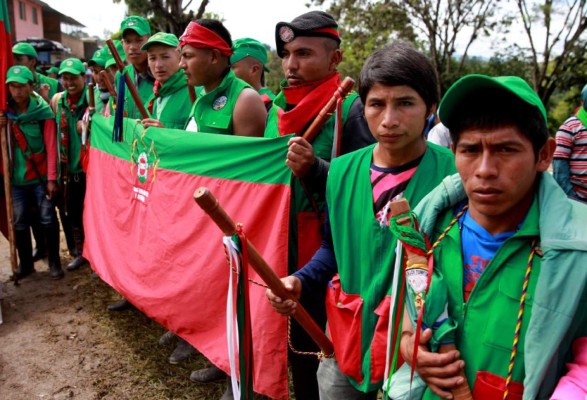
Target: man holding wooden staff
point(310, 50)
point(513, 260)
point(356, 259)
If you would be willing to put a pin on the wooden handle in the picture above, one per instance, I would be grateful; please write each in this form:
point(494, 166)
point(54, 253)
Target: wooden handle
point(210, 205)
point(8, 198)
point(106, 79)
point(92, 100)
point(129, 83)
point(342, 91)
point(463, 391)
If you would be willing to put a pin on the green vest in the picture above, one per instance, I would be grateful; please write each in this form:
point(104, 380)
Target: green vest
point(268, 92)
point(173, 105)
point(31, 126)
point(75, 139)
point(212, 112)
point(486, 322)
point(145, 90)
point(53, 84)
point(358, 305)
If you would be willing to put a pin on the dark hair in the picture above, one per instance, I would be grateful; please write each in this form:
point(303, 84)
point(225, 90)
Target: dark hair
point(491, 109)
point(400, 64)
point(217, 27)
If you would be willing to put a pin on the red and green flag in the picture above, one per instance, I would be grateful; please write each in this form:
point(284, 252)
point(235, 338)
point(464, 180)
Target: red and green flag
point(6, 62)
point(146, 237)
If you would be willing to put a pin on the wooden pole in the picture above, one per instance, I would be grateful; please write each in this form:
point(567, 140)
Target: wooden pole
point(8, 195)
point(210, 205)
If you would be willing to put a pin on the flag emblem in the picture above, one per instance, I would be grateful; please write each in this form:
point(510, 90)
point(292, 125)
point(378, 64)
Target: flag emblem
point(219, 103)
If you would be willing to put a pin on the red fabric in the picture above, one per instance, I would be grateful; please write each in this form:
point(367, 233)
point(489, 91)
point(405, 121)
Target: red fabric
point(201, 37)
point(308, 100)
point(330, 31)
point(489, 386)
point(6, 61)
point(36, 164)
point(309, 236)
point(156, 88)
point(50, 139)
point(172, 263)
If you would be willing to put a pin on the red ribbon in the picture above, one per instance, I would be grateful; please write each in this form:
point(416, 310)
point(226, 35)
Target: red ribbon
point(201, 37)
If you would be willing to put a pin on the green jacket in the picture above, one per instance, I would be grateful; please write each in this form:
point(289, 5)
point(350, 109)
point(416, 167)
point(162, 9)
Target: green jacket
point(555, 312)
point(212, 112)
point(145, 90)
point(358, 304)
point(172, 106)
point(67, 126)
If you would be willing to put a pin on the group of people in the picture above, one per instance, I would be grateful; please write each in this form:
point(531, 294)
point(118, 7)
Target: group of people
point(509, 244)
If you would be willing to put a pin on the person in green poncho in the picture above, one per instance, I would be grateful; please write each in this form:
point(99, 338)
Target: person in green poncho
point(398, 87)
point(169, 105)
point(34, 173)
point(70, 107)
point(248, 63)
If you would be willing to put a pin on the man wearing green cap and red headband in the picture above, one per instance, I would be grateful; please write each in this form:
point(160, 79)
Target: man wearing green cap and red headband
point(514, 255)
point(135, 33)
point(69, 107)
point(169, 105)
point(31, 126)
point(26, 55)
point(225, 104)
point(248, 63)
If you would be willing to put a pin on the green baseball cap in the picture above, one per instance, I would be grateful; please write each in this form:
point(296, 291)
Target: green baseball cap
point(247, 47)
point(19, 74)
point(53, 70)
point(166, 39)
point(73, 66)
point(466, 90)
point(110, 61)
point(24, 49)
point(138, 24)
point(99, 58)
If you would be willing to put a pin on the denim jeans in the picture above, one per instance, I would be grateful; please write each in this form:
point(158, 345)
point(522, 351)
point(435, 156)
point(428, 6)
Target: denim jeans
point(24, 198)
point(334, 385)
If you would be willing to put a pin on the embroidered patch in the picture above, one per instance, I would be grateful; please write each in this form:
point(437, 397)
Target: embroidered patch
point(130, 23)
point(69, 63)
point(219, 103)
point(16, 70)
point(286, 34)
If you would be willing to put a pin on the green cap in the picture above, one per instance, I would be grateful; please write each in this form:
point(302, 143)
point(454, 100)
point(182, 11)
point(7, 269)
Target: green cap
point(73, 66)
point(24, 49)
point(466, 90)
point(110, 61)
point(166, 39)
point(53, 70)
point(247, 47)
point(99, 58)
point(19, 74)
point(138, 24)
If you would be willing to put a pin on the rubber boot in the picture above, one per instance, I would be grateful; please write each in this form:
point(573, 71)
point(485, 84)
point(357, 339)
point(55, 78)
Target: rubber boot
point(52, 236)
point(40, 250)
point(79, 260)
point(24, 248)
point(68, 232)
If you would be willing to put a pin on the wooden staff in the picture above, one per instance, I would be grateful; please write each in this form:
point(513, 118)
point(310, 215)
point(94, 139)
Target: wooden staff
point(108, 84)
point(343, 90)
point(401, 207)
point(92, 100)
point(210, 205)
point(8, 196)
point(129, 83)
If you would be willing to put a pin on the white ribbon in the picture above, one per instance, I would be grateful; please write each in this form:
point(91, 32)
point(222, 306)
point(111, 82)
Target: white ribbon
point(85, 124)
point(231, 322)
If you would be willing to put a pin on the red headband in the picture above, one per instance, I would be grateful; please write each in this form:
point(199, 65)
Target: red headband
point(201, 37)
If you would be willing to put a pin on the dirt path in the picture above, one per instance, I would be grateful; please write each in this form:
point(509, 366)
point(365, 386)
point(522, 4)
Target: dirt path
point(58, 341)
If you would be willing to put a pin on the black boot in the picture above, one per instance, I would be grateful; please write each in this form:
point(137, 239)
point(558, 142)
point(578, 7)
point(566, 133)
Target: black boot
point(25, 253)
point(52, 236)
point(79, 260)
point(68, 232)
point(40, 250)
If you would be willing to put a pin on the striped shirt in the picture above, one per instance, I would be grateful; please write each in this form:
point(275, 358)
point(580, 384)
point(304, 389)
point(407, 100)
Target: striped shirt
point(571, 145)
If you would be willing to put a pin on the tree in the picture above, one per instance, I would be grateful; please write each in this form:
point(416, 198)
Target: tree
point(555, 64)
point(167, 15)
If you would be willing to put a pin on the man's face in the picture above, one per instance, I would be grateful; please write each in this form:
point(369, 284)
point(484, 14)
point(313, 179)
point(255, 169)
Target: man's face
point(195, 63)
point(308, 59)
point(96, 69)
point(499, 170)
point(25, 61)
point(20, 92)
point(163, 61)
point(396, 116)
point(73, 84)
point(132, 43)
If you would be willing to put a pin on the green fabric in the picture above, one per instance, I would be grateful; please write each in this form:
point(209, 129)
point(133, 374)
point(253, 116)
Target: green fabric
point(53, 84)
point(268, 92)
point(99, 58)
point(175, 98)
point(166, 39)
point(560, 297)
point(145, 90)
point(28, 122)
point(367, 269)
point(97, 100)
point(135, 23)
point(247, 47)
point(582, 116)
point(217, 164)
point(75, 140)
point(25, 49)
point(223, 98)
point(73, 66)
point(19, 74)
